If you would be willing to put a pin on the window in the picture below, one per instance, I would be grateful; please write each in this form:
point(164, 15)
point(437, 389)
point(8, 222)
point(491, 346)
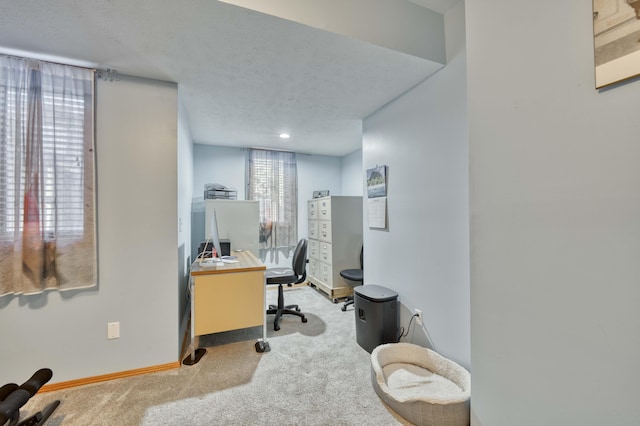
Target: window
point(47, 217)
point(273, 182)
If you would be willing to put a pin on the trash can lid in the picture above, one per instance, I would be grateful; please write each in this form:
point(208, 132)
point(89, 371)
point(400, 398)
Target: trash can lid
point(375, 293)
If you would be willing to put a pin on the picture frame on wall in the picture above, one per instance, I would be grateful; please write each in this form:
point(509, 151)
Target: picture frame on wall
point(616, 31)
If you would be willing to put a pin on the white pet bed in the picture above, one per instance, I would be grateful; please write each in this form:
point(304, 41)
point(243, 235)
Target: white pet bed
point(421, 385)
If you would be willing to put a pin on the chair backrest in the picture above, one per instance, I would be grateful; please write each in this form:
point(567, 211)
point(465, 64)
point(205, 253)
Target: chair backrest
point(299, 261)
point(356, 275)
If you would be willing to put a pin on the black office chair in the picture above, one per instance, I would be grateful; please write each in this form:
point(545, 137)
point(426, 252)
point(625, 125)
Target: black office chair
point(289, 276)
point(355, 275)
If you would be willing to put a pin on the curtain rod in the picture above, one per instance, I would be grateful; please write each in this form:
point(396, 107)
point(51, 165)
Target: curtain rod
point(47, 61)
point(271, 149)
point(277, 150)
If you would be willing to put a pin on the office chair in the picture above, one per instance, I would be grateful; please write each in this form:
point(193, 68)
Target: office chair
point(289, 276)
point(355, 275)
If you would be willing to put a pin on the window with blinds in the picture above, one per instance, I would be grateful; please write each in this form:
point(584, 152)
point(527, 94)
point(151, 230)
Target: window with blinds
point(63, 138)
point(47, 184)
point(273, 182)
point(268, 184)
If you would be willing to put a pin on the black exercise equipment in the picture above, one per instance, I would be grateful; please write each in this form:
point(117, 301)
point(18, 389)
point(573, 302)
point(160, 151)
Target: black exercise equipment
point(14, 397)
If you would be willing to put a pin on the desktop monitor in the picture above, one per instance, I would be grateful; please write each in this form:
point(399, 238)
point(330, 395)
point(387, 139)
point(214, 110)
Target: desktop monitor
point(215, 239)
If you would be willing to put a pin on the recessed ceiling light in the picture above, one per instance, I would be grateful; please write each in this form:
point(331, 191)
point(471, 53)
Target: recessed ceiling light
point(285, 135)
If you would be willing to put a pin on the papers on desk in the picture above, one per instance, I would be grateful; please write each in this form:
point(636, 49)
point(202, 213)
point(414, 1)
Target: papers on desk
point(206, 264)
point(210, 263)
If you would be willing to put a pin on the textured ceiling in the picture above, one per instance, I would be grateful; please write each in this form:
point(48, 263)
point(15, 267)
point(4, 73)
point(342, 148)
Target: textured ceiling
point(243, 76)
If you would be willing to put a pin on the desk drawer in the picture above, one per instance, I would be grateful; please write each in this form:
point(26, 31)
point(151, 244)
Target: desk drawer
point(314, 250)
point(325, 252)
point(314, 270)
point(326, 274)
point(324, 230)
point(312, 209)
point(324, 208)
point(313, 229)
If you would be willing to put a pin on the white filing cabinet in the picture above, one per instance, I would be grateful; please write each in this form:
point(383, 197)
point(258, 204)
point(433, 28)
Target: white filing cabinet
point(335, 240)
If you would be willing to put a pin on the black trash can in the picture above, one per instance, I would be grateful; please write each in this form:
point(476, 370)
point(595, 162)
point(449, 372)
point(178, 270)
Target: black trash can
point(377, 315)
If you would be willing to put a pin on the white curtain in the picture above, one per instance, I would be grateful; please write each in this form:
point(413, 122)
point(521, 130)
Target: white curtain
point(47, 206)
point(273, 182)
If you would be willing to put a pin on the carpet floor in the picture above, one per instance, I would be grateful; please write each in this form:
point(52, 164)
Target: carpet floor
point(315, 374)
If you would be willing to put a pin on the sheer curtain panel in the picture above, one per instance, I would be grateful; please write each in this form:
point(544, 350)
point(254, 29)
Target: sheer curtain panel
point(47, 200)
point(273, 182)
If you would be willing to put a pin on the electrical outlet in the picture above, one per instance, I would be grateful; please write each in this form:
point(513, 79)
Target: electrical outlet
point(418, 314)
point(113, 330)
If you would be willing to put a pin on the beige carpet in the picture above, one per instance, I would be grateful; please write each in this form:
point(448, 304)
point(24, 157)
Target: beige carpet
point(315, 374)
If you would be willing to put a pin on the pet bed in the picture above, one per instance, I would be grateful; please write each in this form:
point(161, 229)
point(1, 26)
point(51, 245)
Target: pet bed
point(421, 385)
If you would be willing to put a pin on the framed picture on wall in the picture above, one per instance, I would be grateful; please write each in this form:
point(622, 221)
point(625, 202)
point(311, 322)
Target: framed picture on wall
point(377, 182)
point(616, 31)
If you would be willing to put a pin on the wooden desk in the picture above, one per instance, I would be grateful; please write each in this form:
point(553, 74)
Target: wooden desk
point(226, 298)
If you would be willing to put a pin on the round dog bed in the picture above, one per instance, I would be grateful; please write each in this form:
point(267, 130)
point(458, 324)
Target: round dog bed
point(421, 385)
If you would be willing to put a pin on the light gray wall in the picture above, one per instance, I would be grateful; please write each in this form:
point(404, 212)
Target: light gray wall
point(185, 189)
point(136, 137)
point(315, 172)
point(555, 221)
point(218, 164)
point(424, 254)
point(352, 174)
point(388, 23)
point(213, 164)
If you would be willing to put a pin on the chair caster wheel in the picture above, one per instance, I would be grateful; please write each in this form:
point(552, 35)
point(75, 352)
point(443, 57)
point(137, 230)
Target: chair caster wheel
point(297, 309)
point(276, 327)
point(335, 300)
point(344, 309)
point(262, 346)
point(304, 319)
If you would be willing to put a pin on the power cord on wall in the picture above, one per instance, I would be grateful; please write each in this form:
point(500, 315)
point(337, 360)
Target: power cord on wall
point(402, 333)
